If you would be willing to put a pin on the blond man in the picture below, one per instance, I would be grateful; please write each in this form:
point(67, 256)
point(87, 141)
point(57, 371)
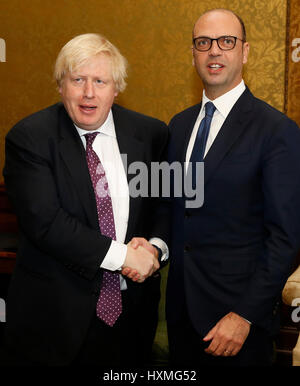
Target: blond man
point(68, 302)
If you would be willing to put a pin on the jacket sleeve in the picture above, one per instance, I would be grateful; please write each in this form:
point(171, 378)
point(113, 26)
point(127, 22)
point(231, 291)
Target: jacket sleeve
point(281, 191)
point(32, 186)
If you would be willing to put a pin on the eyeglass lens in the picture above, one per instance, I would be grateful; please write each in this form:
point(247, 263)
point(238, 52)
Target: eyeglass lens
point(224, 42)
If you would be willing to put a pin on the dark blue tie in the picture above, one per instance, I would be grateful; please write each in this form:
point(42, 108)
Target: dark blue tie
point(201, 139)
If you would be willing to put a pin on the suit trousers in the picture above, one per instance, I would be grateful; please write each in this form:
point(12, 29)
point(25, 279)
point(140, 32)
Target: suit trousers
point(127, 343)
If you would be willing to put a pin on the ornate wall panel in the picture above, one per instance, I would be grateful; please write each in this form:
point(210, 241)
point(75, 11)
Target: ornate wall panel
point(154, 35)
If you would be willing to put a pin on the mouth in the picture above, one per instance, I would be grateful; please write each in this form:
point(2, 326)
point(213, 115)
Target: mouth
point(87, 108)
point(215, 67)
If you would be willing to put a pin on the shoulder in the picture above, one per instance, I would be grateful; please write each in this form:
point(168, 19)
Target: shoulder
point(267, 122)
point(132, 118)
point(38, 122)
point(144, 128)
point(275, 122)
point(123, 112)
point(36, 131)
point(264, 112)
point(188, 114)
point(267, 110)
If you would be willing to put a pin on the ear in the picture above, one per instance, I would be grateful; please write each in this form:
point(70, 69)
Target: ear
point(246, 49)
point(60, 88)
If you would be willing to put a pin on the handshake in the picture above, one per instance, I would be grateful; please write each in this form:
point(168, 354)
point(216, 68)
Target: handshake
point(141, 260)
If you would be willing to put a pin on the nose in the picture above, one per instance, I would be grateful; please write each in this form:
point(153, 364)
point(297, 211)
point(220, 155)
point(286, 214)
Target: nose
point(215, 49)
point(89, 89)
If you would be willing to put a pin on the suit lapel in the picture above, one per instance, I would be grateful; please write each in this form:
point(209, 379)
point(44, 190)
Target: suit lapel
point(232, 128)
point(73, 154)
point(183, 142)
point(133, 150)
point(129, 145)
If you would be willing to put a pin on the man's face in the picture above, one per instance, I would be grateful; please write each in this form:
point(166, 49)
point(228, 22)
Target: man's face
point(88, 92)
point(220, 70)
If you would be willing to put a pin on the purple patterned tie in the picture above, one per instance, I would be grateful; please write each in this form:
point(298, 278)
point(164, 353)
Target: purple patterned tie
point(109, 305)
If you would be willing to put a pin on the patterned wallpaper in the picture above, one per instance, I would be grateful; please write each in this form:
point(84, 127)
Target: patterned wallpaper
point(292, 104)
point(154, 35)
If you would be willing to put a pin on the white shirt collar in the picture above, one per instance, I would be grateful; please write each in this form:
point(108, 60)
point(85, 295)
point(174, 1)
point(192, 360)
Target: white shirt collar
point(107, 128)
point(225, 102)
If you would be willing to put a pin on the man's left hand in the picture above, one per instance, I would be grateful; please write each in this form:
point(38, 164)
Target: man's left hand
point(227, 336)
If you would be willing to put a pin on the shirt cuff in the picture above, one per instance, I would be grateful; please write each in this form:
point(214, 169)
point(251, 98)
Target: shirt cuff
point(115, 256)
point(159, 243)
point(246, 320)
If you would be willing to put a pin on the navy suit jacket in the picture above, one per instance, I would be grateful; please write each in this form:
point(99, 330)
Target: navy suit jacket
point(235, 252)
point(57, 279)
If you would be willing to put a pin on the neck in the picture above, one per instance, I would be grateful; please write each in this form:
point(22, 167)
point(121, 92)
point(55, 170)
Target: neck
point(214, 92)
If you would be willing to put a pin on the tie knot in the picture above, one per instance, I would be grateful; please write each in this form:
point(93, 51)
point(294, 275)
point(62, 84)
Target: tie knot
point(90, 138)
point(210, 109)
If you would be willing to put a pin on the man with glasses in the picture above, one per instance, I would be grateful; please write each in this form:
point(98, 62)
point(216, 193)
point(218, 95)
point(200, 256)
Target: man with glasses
point(230, 258)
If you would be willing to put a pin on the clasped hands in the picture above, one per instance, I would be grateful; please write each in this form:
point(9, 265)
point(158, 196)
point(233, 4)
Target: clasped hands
point(141, 260)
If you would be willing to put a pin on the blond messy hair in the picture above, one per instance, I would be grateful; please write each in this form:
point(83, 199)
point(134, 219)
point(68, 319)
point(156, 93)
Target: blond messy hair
point(84, 47)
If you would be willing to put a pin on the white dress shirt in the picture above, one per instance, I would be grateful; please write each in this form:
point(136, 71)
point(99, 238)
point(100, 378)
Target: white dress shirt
point(223, 105)
point(107, 149)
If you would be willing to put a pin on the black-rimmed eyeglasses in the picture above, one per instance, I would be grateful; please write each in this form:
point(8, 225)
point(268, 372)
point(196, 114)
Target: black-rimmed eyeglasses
point(225, 43)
